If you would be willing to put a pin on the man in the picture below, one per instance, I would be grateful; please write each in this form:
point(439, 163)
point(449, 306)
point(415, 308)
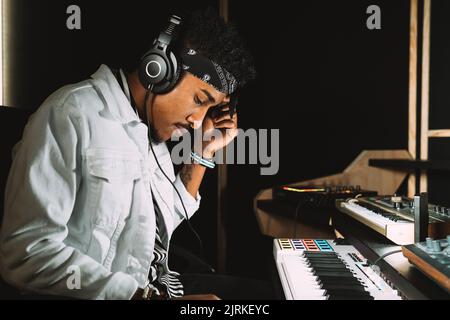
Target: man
point(89, 211)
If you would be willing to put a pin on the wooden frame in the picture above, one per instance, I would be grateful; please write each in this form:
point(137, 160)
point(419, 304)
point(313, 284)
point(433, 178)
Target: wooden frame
point(425, 101)
point(412, 119)
point(425, 132)
point(444, 133)
point(222, 184)
point(6, 38)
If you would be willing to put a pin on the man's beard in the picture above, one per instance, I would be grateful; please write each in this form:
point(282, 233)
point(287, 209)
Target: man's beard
point(154, 136)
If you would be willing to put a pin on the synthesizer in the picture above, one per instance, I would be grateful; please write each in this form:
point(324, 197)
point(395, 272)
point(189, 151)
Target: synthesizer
point(318, 196)
point(312, 269)
point(431, 257)
point(393, 216)
point(312, 204)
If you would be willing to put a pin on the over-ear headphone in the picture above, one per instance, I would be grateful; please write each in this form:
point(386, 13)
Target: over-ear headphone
point(159, 69)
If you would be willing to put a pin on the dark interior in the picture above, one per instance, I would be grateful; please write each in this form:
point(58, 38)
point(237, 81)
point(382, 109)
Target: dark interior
point(331, 86)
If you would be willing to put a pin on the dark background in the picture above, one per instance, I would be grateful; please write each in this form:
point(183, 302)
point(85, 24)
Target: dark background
point(439, 149)
point(332, 87)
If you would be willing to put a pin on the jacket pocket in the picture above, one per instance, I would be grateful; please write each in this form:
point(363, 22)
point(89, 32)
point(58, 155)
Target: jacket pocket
point(111, 175)
point(113, 166)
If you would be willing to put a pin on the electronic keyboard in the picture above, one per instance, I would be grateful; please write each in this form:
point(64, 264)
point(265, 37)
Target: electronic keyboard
point(325, 270)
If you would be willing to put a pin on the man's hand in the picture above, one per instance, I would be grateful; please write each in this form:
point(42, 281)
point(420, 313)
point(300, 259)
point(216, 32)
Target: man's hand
point(213, 140)
point(139, 292)
point(217, 131)
point(199, 297)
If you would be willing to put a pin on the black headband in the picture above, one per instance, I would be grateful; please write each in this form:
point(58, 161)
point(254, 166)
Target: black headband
point(208, 71)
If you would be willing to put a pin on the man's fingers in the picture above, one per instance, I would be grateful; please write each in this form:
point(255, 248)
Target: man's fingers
point(199, 297)
point(225, 124)
point(225, 116)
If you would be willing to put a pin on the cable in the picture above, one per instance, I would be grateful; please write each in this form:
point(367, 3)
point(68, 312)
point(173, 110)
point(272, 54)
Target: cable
point(297, 215)
point(200, 243)
point(385, 255)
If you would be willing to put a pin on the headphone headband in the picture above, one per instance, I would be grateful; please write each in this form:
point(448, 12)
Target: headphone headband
point(174, 22)
point(159, 69)
point(169, 34)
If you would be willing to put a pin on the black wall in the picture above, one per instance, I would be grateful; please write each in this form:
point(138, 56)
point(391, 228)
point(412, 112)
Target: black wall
point(439, 149)
point(45, 55)
point(332, 87)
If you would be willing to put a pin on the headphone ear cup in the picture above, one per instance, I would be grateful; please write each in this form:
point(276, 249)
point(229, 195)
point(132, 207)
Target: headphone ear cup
point(173, 75)
point(176, 67)
point(153, 69)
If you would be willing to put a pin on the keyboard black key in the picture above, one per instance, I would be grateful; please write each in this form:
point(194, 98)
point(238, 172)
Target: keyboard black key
point(328, 279)
point(350, 298)
point(346, 281)
point(333, 274)
point(347, 292)
point(343, 287)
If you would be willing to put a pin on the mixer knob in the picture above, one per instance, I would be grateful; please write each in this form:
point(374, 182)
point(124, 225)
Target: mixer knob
point(437, 246)
point(447, 251)
point(358, 188)
point(398, 205)
point(429, 244)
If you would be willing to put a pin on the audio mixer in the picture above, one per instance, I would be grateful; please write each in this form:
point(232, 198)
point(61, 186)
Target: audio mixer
point(432, 257)
point(318, 196)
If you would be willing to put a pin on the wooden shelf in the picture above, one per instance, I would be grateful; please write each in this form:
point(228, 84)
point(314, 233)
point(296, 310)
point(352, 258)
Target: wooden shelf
point(411, 165)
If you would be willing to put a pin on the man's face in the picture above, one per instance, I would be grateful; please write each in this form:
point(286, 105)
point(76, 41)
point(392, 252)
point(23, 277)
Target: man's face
point(185, 106)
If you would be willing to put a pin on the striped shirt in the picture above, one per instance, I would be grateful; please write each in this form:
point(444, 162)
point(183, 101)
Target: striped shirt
point(159, 270)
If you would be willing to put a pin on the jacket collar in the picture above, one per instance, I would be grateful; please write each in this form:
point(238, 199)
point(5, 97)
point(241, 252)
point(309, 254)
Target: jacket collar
point(117, 105)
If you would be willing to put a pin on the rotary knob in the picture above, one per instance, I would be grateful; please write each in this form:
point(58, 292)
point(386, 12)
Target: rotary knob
point(429, 242)
point(397, 202)
point(437, 246)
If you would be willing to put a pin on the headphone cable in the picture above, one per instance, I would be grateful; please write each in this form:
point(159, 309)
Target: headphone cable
point(200, 242)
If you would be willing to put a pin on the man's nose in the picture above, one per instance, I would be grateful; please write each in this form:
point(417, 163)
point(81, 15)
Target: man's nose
point(196, 119)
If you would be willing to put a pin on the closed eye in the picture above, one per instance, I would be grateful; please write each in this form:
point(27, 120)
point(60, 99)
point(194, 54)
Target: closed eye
point(197, 100)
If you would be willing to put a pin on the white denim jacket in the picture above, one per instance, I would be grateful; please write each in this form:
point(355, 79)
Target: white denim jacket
point(79, 218)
